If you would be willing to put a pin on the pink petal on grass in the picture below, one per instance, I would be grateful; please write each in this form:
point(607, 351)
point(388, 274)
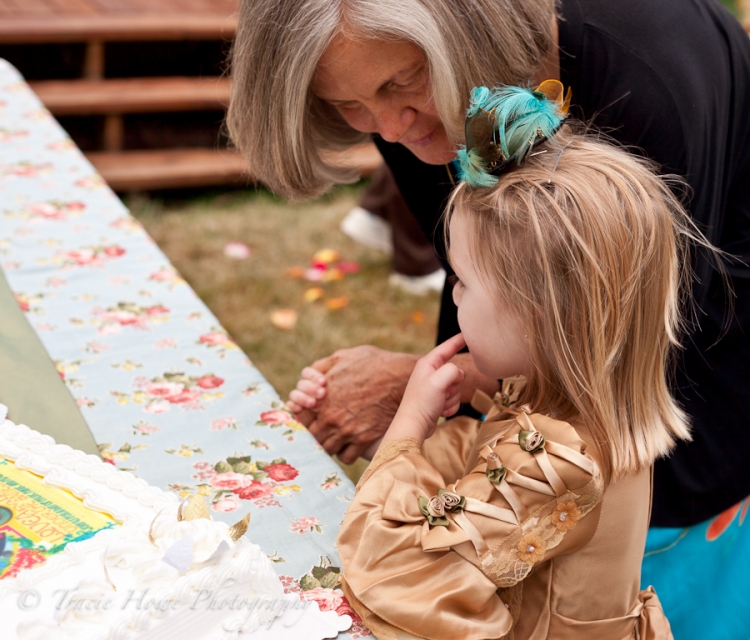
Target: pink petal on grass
point(314, 275)
point(349, 267)
point(237, 250)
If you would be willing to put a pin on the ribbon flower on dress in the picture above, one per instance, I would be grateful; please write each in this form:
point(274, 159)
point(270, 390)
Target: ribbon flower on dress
point(436, 507)
point(452, 501)
point(495, 470)
point(531, 441)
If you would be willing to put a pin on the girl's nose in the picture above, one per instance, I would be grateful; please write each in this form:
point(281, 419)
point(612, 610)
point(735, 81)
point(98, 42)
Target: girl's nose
point(393, 123)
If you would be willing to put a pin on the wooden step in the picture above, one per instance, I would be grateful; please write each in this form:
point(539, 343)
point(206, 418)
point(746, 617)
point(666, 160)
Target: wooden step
point(132, 95)
point(169, 169)
point(180, 168)
point(59, 27)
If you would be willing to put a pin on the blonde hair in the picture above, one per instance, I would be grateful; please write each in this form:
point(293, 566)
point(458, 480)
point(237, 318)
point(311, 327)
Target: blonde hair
point(284, 131)
point(589, 246)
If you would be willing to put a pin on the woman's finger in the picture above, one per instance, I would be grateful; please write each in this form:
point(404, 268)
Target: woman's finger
point(305, 417)
point(350, 453)
point(324, 364)
point(320, 430)
point(332, 444)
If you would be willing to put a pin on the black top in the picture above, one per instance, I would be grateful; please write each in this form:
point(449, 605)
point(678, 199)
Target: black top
point(671, 77)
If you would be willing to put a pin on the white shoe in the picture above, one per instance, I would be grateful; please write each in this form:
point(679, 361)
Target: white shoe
point(368, 229)
point(419, 285)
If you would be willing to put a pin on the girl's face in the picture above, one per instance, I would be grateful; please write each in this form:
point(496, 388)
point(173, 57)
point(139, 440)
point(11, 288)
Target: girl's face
point(493, 333)
point(383, 87)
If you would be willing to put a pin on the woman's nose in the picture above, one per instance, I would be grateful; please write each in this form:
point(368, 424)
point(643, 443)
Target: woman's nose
point(393, 123)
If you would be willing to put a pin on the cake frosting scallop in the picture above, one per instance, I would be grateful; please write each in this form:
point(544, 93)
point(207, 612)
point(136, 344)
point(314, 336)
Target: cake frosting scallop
point(155, 569)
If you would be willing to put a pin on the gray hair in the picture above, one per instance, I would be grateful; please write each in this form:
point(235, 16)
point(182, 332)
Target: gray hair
point(287, 134)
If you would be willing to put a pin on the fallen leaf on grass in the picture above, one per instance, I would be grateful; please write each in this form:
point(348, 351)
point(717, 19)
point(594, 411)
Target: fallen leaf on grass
point(313, 294)
point(284, 318)
point(417, 317)
point(325, 256)
point(294, 272)
point(337, 303)
point(237, 250)
point(333, 274)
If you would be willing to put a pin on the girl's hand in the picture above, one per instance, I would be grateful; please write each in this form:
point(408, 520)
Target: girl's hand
point(309, 393)
point(434, 390)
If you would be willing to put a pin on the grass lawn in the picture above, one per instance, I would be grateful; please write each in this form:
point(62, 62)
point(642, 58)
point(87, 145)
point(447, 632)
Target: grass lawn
point(193, 231)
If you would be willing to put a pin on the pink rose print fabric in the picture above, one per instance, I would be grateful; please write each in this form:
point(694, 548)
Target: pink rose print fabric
point(166, 392)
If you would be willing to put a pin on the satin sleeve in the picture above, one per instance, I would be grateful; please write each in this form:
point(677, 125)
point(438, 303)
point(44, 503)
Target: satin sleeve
point(424, 560)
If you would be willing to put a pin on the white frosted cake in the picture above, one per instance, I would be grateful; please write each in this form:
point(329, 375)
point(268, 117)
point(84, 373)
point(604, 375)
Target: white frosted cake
point(118, 558)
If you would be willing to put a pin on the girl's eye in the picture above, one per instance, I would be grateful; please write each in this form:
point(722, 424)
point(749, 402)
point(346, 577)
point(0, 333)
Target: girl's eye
point(454, 281)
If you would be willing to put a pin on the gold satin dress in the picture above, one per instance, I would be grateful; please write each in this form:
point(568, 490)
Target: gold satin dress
point(503, 529)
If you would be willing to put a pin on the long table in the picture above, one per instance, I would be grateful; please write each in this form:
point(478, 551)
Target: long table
point(165, 392)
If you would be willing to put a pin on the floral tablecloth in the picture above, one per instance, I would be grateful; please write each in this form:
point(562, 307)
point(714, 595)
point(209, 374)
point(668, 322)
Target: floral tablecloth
point(165, 391)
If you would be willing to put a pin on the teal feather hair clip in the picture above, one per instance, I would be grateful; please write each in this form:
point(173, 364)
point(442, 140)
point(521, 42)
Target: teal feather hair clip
point(503, 126)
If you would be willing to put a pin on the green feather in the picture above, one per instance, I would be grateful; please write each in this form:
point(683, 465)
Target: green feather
point(473, 169)
point(522, 117)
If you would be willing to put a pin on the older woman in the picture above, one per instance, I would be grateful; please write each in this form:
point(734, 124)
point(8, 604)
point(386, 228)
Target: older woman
point(669, 77)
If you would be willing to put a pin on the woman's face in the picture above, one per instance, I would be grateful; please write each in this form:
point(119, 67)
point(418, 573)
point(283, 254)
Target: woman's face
point(383, 87)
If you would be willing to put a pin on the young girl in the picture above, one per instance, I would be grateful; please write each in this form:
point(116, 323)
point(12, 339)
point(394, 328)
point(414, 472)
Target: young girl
point(569, 269)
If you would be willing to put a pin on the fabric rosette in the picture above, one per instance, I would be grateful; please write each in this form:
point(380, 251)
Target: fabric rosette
point(436, 507)
point(531, 441)
point(451, 500)
point(495, 469)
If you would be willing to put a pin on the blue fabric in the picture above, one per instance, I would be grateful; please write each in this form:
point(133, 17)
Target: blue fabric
point(702, 576)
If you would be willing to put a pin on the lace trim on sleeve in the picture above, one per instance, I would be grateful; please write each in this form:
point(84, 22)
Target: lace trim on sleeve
point(513, 559)
point(388, 452)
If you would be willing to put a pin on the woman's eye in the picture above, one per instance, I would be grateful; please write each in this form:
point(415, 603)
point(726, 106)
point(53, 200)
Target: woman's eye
point(395, 86)
point(346, 106)
point(410, 83)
